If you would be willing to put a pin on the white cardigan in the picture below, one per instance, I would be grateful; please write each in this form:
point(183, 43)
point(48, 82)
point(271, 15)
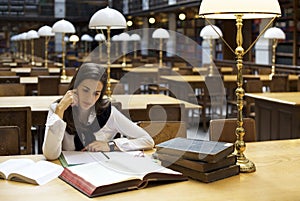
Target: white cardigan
point(57, 139)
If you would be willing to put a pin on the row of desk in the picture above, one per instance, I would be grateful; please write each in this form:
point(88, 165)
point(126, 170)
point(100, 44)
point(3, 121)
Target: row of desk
point(277, 177)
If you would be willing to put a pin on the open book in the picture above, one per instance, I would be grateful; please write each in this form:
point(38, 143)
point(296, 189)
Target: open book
point(119, 172)
point(29, 171)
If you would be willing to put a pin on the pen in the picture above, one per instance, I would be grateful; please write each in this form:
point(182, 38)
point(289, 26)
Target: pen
point(105, 155)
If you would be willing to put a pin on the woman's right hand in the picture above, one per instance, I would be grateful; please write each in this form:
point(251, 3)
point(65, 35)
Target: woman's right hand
point(69, 99)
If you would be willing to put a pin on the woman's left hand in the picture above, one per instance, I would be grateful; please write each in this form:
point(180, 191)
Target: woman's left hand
point(97, 146)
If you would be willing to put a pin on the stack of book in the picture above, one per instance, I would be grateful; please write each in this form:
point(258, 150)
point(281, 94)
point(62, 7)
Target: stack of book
point(206, 161)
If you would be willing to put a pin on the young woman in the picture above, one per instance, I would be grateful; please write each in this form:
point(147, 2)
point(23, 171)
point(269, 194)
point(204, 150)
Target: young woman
point(83, 120)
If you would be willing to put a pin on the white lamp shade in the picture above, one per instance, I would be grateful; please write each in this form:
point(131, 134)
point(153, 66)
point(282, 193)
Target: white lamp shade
point(160, 33)
point(135, 37)
point(45, 31)
point(274, 33)
point(74, 38)
point(251, 9)
point(115, 38)
point(107, 17)
point(86, 37)
point(100, 37)
point(14, 38)
point(211, 32)
point(63, 26)
point(124, 37)
point(23, 36)
point(32, 34)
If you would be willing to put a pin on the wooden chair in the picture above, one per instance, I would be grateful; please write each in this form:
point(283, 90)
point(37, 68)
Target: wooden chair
point(162, 131)
point(9, 140)
point(9, 79)
point(37, 71)
point(224, 130)
point(165, 112)
point(252, 86)
point(185, 70)
point(12, 89)
point(279, 83)
point(48, 85)
point(212, 99)
point(21, 117)
point(62, 88)
point(160, 86)
point(117, 88)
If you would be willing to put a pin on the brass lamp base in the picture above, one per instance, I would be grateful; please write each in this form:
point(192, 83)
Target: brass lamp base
point(246, 166)
point(63, 77)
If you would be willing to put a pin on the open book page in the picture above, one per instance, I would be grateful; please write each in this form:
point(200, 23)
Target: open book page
point(11, 165)
point(40, 172)
point(82, 157)
point(119, 167)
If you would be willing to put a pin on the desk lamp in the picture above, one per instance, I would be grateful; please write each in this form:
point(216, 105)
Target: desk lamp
point(31, 35)
point(46, 31)
point(125, 38)
point(275, 34)
point(135, 38)
point(108, 18)
point(210, 32)
point(160, 34)
point(87, 39)
point(239, 10)
point(100, 38)
point(63, 27)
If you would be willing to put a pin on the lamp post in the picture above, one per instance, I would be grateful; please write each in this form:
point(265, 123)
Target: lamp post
point(108, 18)
point(274, 34)
point(63, 27)
point(210, 32)
point(161, 34)
point(135, 38)
point(239, 10)
point(100, 38)
point(125, 38)
point(46, 31)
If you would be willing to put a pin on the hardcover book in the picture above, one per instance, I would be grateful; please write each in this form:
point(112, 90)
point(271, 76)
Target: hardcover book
point(29, 171)
point(194, 149)
point(119, 172)
point(208, 177)
point(200, 166)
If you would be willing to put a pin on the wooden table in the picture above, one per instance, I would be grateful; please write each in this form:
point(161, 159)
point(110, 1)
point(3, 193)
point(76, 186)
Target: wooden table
point(277, 114)
point(277, 178)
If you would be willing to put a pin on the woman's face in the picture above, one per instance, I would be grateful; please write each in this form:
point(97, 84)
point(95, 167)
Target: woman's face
point(88, 92)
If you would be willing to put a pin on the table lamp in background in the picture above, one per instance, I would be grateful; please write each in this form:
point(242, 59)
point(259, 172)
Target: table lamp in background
point(108, 18)
point(211, 32)
point(161, 34)
point(63, 27)
point(274, 34)
point(46, 31)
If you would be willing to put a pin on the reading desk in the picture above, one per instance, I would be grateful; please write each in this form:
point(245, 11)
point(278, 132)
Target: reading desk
point(277, 178)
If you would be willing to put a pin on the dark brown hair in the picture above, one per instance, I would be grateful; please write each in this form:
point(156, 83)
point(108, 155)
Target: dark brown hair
point(87, 71)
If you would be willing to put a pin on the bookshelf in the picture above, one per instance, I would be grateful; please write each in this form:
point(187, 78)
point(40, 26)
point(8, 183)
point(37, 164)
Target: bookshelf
point(288, 50)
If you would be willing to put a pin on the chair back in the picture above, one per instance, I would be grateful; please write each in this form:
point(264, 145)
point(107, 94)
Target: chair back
point(185, 70)
point(279, 83)
point(162, 131)
point(12, 89)
point(165, 112)
point(9, 79)
point(21, 117)
point(9, 140)
point(253, 86)
point(36, 71)
point(223, 130)
point(48, 85)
